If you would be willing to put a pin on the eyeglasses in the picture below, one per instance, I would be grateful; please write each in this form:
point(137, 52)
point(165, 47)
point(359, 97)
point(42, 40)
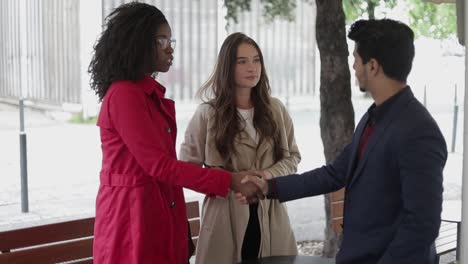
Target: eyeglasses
point(166, 42)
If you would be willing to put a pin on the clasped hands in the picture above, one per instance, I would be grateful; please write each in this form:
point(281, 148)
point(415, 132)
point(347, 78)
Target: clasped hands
point(250, 186)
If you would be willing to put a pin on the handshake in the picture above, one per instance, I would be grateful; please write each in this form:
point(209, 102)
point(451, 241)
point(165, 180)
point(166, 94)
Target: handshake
point(250, 186)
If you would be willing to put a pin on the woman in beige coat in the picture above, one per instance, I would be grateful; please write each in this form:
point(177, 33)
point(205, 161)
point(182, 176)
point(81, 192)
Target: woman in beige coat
point(240, 127)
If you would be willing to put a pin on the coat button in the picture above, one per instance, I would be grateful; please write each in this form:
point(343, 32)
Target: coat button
point(168, 129)
point(172, 204)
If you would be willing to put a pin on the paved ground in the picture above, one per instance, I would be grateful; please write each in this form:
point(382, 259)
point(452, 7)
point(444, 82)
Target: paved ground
point(64, 161)
point(64, 158)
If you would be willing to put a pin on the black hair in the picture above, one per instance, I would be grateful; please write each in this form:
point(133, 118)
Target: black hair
point(389, 42)
point(126, 49)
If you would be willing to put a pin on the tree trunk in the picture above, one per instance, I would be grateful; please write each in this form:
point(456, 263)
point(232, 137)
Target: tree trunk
point(371, 9)
point(337, 113)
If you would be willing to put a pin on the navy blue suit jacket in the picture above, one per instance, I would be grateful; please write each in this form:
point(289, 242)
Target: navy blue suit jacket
point(393, 197)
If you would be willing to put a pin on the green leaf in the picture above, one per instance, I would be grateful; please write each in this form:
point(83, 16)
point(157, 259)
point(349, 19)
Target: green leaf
point(272, 9)
point(433, 20)
point(426, 19)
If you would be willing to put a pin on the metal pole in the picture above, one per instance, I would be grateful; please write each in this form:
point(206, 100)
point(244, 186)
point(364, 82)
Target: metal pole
point(455, 119)
point(463, 243)
point(23, 83)
point(425, 102)
point(23, 161)
point(457, 252)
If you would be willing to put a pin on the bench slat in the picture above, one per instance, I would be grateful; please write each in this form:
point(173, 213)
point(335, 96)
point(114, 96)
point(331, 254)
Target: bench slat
point(446, 242)
point(193, 210)
point(48, 243)
point(82, 261)
point(45, 234)
point(338, 195)
point(446, 248)
point(195, 241)
point(52, 253)
point(444, 236)
point(337, 209)
point(337, 224)
point(194, 227)
point(447, 227)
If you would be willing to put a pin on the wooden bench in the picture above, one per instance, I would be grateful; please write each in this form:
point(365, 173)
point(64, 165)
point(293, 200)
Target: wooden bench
point(70, 241)
point(337, 209)
point(449, 232)
point(447, 241)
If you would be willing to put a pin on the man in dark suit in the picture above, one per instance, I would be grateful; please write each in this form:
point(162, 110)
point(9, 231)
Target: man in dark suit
point(392, 169)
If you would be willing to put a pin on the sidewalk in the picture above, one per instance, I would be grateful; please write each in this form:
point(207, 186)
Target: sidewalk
point(64, 160)
point(64, 163)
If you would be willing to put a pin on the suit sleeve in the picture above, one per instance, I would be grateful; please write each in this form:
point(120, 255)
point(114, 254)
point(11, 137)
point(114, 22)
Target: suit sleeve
point(292, 157)
point(329, 178)
point(130, 116)
point(421, 161)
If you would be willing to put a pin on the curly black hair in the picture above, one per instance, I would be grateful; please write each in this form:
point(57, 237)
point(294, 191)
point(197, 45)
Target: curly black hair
point(126, 49)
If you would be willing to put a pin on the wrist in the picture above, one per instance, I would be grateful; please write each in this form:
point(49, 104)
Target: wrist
point(267, 175)
point(234, 182)
point(271, 191)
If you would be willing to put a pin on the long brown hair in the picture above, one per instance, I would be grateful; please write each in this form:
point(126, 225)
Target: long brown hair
point(220, 93)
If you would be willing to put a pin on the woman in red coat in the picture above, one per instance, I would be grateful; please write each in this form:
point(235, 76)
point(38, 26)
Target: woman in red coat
point(140, 207)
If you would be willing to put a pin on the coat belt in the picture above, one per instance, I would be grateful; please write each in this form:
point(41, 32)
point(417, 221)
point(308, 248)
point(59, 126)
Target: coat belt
point(123, 180)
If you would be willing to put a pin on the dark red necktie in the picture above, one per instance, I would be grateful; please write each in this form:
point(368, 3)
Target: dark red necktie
point(370, 128)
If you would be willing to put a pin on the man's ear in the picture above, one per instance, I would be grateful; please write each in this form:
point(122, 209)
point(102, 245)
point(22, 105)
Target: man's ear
point(374, 66)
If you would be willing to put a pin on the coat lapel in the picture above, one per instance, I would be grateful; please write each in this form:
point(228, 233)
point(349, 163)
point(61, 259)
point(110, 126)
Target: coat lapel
point(265, 146)
point(168, 108)
point(156, 91)
point(357, 138)
point(245, 139)
point(380, 130)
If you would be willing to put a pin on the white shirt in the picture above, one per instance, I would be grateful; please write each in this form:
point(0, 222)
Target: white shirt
point(247, 115)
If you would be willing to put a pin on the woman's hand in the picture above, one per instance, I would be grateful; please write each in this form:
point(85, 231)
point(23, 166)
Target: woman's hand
point(260, 183)
point(266, 175)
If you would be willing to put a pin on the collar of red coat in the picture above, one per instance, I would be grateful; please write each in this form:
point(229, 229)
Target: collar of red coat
point(150, 86)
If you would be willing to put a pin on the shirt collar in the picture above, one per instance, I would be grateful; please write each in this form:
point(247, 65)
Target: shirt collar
point(377, 113)
point(150, 85)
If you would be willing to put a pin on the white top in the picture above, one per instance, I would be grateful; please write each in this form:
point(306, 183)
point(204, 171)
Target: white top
point(248, 114)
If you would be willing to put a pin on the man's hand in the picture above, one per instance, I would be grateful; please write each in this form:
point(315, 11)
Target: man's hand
point(259, 182)
point(248, 190)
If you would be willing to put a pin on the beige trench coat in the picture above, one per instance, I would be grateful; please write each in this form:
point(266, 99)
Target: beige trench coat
point(224, 220)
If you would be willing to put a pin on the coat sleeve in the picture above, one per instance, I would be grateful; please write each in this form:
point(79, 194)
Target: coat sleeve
point(291, 155)
point(325, 179)
point(130, 116)
point(421, 161)
point(192, 148)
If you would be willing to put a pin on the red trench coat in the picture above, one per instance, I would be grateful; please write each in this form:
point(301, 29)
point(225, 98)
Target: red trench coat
point(140, 207)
